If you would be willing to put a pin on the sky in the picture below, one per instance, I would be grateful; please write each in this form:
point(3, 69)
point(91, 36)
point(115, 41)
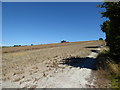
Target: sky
point(0, 24)
point(25, 23)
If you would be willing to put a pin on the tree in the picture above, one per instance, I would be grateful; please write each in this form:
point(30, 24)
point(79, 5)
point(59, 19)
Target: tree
point(63, 41)
point(105, 27)
point(112, 27)
point(100, 38)
point(31, 44)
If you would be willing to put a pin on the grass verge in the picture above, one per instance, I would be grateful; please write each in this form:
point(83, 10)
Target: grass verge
point(108, 69)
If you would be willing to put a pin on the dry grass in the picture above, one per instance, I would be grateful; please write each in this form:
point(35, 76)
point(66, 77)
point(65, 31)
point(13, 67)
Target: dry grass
point(114, 68)
point(108, 70)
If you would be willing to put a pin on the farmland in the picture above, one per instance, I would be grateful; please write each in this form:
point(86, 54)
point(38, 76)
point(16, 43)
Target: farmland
point(41, 66)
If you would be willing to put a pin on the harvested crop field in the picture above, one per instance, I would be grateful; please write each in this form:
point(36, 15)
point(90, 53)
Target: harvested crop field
point(45, 66)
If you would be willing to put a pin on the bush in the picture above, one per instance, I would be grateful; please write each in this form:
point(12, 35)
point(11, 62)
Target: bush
point(63, 41)
point(100, 38)
point(17, 45)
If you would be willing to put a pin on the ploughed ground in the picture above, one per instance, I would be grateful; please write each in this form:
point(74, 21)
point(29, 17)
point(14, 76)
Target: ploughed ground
point(63, 65)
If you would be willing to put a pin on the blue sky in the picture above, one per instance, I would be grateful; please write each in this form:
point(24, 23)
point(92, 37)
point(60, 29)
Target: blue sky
point(26, 23)
point(0, 23)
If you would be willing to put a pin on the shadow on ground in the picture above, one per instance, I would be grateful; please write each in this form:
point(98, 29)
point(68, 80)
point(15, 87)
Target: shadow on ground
point(95, 51)
point(89, 63)
point(93, 47)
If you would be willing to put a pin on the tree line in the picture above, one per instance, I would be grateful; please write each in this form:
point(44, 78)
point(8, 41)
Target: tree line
point(111, 28)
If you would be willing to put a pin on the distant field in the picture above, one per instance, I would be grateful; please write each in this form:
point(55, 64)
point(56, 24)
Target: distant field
point(24, 48)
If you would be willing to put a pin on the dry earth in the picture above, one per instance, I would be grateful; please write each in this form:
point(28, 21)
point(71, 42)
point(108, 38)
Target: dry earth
point(60, 66)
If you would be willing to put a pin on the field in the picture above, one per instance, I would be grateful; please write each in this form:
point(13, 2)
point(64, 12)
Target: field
point(24, 48)
point(43, 66)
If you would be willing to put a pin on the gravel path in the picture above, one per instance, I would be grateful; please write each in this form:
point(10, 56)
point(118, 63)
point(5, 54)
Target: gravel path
point(71, 77)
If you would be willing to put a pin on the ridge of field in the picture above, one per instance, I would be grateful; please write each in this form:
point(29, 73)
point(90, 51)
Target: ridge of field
point(42, 46)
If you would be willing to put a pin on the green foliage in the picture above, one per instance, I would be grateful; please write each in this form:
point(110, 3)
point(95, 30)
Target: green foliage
point(112, 27)
point(63, 41)
point(105, 27)
point(100, 38)
point(115, 80)
point(17, 45)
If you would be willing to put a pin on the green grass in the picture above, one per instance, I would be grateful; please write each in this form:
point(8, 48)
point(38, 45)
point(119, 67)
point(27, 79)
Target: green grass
point(115, 81)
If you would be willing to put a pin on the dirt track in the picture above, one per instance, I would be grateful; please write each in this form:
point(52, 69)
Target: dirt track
point(45, 68)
